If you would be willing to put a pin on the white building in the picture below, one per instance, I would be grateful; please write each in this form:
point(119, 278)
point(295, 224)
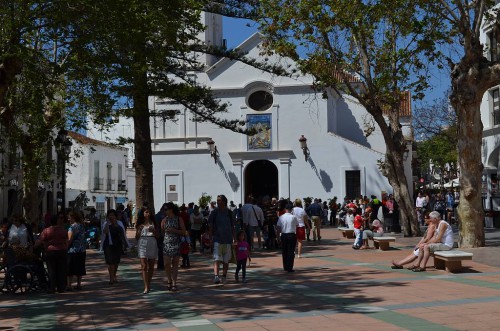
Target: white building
point(490, 116)
point(99, 172)
point(341, 160)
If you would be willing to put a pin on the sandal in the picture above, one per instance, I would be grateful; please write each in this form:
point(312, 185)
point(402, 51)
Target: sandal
point(411, 267)
point(394, 266)
point(169, 286)
point(418, 269)
point(174, 288)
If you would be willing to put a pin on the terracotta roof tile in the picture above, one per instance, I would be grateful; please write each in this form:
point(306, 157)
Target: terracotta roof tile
point(84, 140)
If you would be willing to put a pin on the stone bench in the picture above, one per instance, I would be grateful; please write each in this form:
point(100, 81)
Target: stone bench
point(382, 243)
point(347, 233)
point(450, 261)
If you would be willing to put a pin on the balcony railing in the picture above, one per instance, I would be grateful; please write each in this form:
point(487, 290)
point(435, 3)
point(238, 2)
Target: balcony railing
point(110, 185)
point(122, 186)
point(496, 117)
point(98, 183)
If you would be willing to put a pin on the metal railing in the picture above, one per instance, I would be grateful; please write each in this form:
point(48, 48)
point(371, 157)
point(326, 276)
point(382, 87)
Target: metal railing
point(98, 183)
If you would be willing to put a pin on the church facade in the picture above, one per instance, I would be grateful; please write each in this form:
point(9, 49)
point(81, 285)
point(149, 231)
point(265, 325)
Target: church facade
point(306, 145)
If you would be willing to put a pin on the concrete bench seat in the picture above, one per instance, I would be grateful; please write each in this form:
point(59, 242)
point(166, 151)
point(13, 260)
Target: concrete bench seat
point(450, 261)
point(382, 243)
point(347, 233)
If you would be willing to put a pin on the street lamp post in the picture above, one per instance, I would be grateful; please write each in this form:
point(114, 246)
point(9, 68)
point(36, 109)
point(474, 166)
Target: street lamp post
point(63, 148)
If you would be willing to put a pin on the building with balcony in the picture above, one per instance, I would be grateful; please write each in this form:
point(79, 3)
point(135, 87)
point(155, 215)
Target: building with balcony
point(98, 174)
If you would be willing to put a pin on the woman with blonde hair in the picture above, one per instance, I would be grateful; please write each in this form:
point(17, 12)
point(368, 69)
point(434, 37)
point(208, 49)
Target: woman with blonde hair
point(303, 223)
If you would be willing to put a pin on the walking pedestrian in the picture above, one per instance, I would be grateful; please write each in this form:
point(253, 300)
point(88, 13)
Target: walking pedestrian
point(113, 244)
point(147, 246)
point(55, 241)
point(287, 225)
point(172, 227)
point(242, 255)
point(302, 224)
point(76, 251)
point(221, 228)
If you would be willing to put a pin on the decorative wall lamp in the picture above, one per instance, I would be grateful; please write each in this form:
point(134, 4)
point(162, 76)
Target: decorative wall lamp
point(213, 149)
point(303, 145)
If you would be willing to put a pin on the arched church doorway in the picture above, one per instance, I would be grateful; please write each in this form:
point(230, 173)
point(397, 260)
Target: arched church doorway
point(261, 179)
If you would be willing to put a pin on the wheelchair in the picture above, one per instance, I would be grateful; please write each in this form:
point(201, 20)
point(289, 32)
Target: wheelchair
point(21, 274)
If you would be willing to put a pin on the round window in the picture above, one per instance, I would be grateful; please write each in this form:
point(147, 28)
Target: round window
point(260, 100)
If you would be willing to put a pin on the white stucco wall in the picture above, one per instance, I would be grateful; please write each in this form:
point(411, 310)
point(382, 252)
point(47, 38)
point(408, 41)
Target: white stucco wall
point(82, 176)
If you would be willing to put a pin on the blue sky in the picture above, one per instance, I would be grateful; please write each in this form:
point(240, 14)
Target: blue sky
point(235, 31)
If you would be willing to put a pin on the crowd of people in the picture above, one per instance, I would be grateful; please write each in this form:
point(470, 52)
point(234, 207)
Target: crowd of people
point(227, 232)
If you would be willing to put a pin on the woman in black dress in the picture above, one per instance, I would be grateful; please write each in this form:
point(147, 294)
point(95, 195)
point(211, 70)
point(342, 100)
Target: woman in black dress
point(113, 244)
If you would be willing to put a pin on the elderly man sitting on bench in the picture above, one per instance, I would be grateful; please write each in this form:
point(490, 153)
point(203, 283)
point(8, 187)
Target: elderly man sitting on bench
point(442, 241)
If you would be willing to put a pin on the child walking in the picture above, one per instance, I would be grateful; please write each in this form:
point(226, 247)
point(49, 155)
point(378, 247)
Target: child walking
point(242, 255)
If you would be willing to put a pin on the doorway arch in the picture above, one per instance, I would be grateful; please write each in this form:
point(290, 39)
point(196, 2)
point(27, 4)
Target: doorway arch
point(261, 179)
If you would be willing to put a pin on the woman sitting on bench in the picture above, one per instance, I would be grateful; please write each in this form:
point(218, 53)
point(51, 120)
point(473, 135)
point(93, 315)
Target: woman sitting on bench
point(428, 235)
point(442, 241)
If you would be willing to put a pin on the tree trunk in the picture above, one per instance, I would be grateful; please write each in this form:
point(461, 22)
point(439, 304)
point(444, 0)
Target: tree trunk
point(397, 179)
point(393, 168)
point(143, 154)
point(31, 199)
point(9, 68)
point(466, 101)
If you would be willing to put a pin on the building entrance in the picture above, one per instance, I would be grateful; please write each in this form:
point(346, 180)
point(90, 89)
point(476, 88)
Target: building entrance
point(261, 179)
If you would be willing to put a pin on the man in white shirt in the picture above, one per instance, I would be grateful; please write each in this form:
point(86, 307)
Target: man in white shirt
point(252, 214)
point(287, 225)
point(420, 203)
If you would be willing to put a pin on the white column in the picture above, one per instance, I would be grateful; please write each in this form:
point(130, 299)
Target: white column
point(284, 178)
point(238, 171)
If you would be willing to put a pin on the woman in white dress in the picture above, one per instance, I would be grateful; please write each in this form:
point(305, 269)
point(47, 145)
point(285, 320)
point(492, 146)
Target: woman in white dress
point(146, 235)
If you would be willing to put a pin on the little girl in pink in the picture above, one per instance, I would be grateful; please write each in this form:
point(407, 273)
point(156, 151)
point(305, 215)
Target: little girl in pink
point(242, 255)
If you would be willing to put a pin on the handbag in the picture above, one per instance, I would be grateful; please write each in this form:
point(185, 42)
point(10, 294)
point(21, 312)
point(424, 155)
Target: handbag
point(258, 220)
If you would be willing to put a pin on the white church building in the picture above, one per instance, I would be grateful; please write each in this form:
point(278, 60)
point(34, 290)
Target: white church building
point(338, 160)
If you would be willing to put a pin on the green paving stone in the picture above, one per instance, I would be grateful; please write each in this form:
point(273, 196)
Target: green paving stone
point(475, 282)
point(406, 321)
point(211, 327)
point(39, 317)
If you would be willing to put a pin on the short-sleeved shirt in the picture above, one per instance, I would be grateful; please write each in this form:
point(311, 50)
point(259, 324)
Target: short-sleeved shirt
point(242, 250)
point(315, 209)
point(301, 215)
point(358, 221)
point(287, 223)
point(55, 238)
point(221, 222)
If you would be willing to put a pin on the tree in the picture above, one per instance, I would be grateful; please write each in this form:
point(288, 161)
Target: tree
point(435, 125)
point(149, 48)
point(31, 90)
point(373, 51)
point(435, 118)
point(37, 94)
point(472, 74)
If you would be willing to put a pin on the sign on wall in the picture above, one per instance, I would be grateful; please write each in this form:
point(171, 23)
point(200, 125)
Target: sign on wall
point(261, 123)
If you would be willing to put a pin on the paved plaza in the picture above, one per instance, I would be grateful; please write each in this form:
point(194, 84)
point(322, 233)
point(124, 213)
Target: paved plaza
point(333, 288)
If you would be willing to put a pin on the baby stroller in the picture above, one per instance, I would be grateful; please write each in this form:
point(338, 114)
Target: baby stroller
point(92, 238)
